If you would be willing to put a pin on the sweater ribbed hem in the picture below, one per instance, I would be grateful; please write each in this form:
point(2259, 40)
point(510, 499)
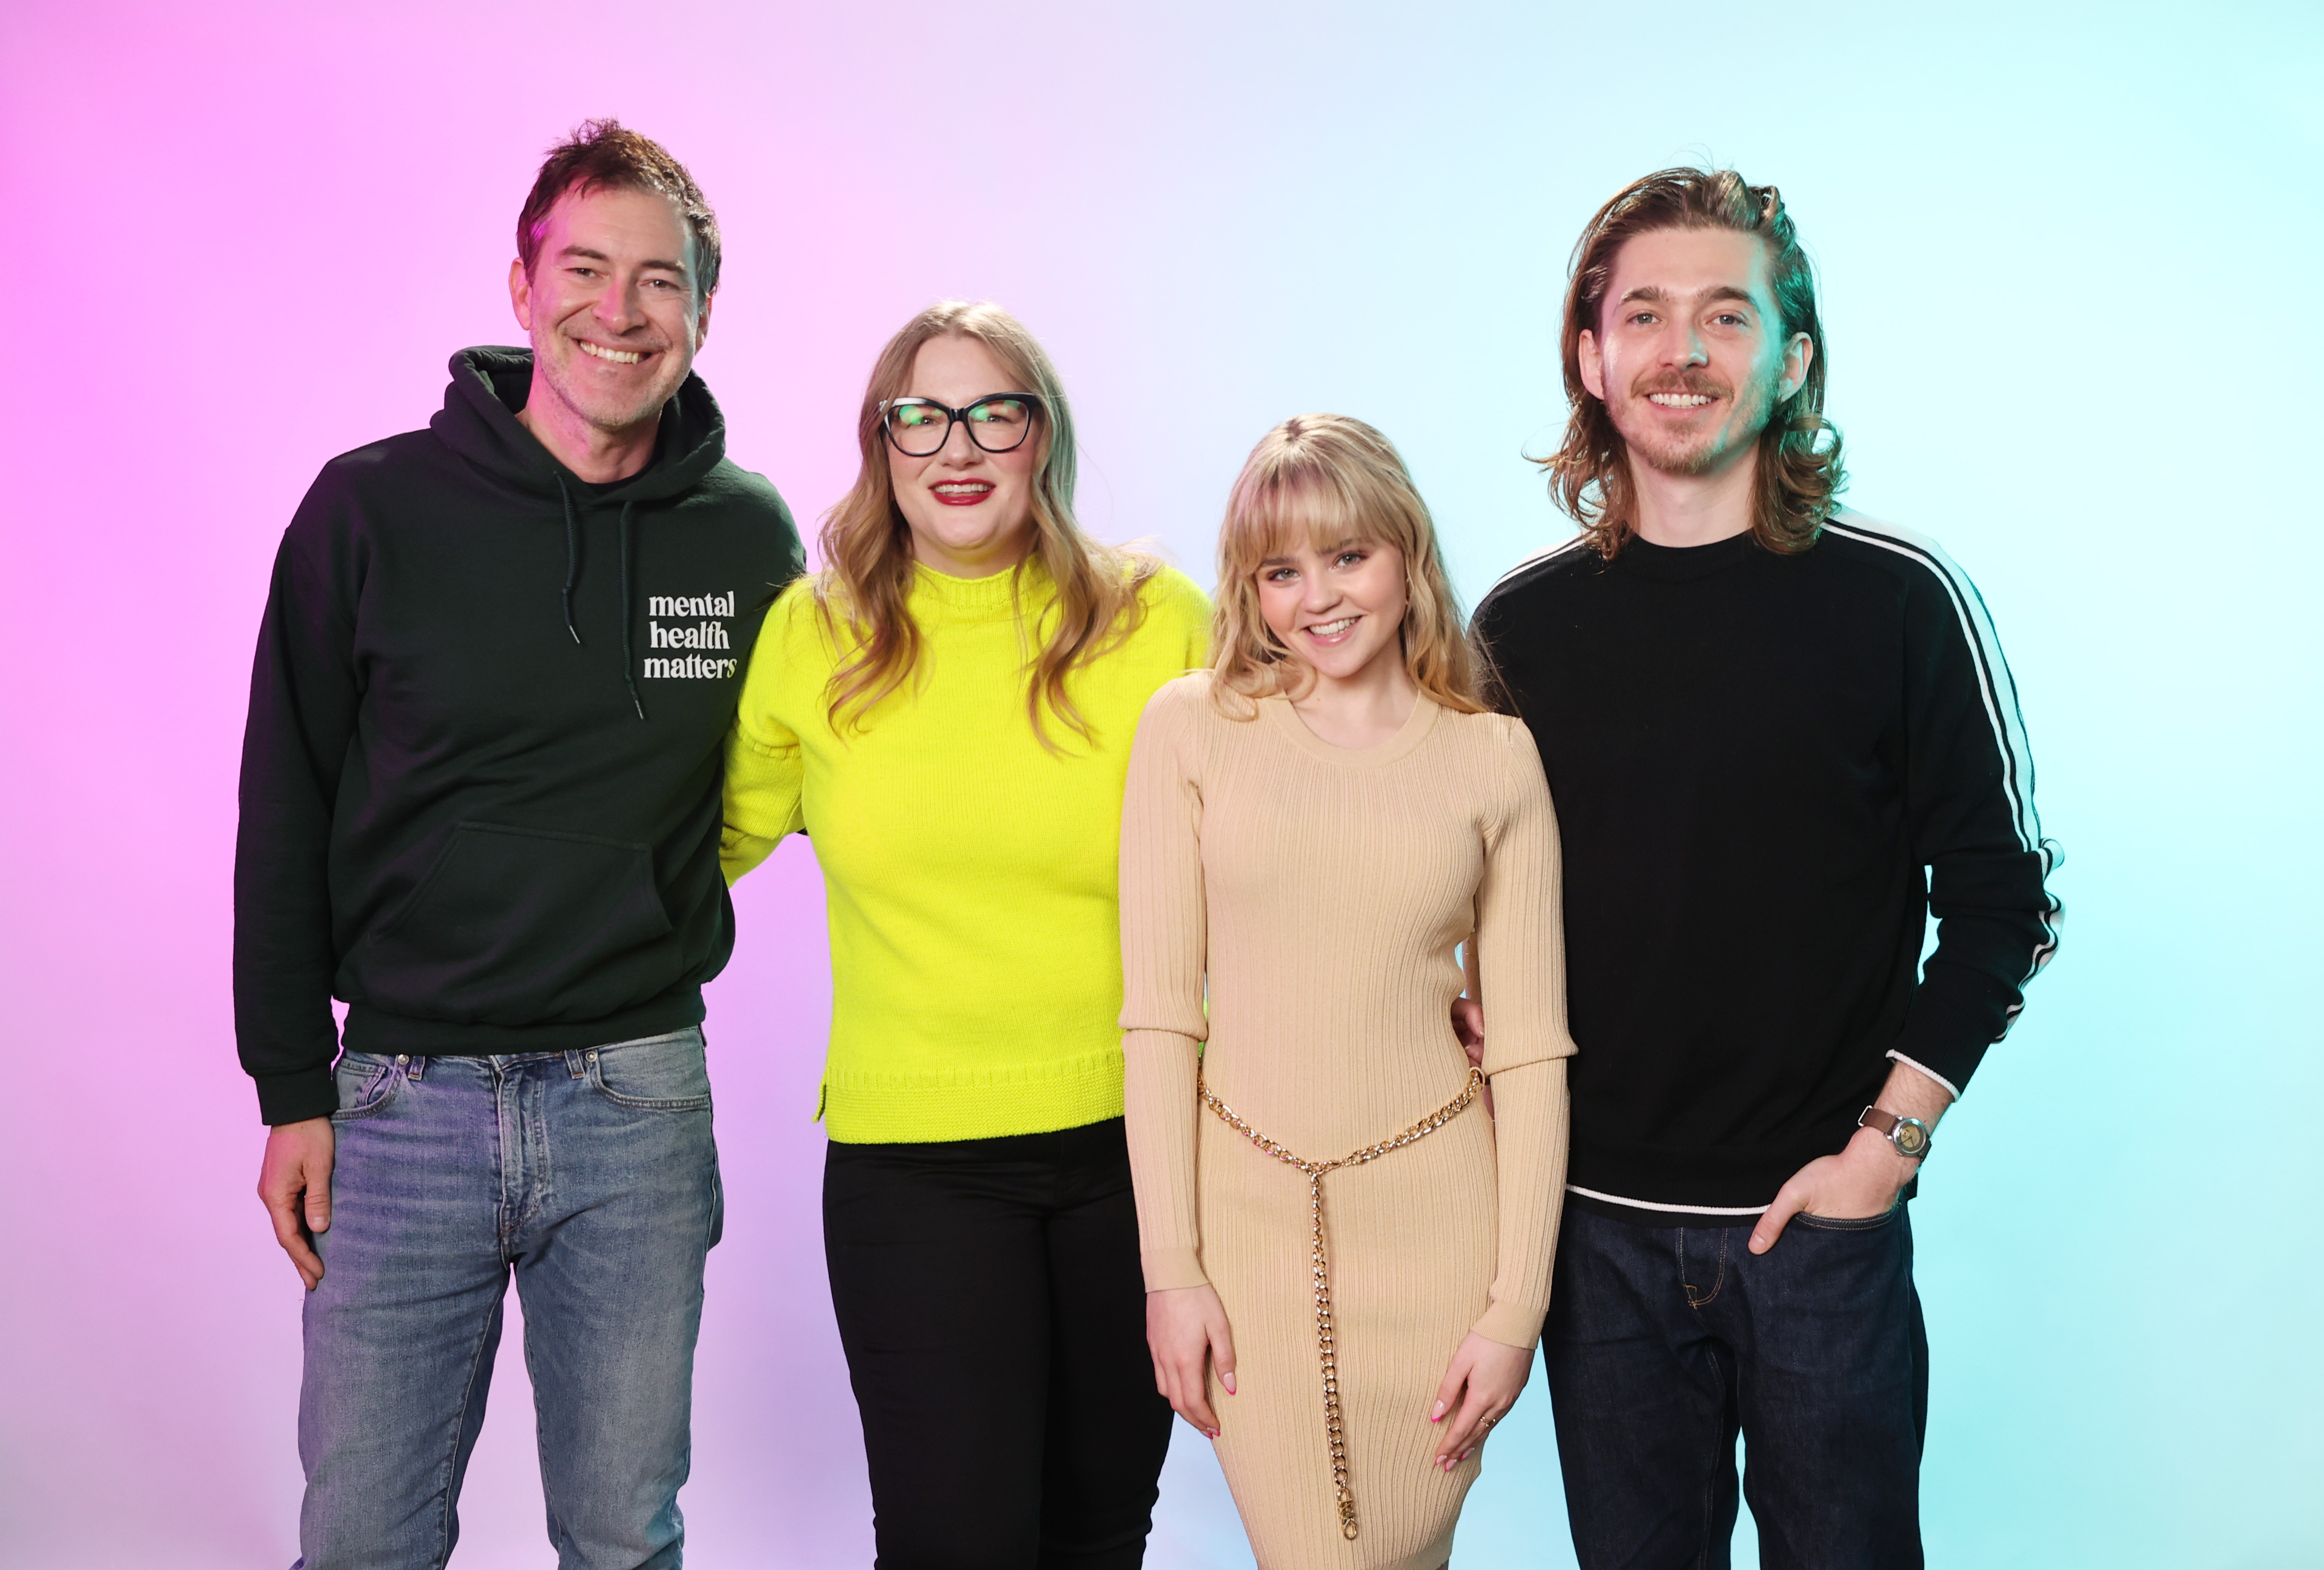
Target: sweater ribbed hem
point(375, 1029)
point(1710, 1179)
point(865, 1107)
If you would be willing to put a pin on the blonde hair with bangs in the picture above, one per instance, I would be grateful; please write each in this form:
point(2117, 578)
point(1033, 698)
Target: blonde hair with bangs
point(1327, 478)
point(867, 546)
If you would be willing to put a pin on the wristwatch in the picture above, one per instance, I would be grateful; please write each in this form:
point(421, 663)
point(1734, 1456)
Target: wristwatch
point(1909, 1135)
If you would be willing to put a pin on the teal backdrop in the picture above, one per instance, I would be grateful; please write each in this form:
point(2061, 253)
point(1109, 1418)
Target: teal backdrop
point(2071, 269)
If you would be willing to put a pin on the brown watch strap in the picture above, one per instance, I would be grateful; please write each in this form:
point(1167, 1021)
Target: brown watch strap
point(1885, 1123)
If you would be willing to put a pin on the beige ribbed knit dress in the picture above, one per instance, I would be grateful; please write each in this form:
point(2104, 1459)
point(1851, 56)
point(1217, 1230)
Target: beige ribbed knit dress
point(1315, 896)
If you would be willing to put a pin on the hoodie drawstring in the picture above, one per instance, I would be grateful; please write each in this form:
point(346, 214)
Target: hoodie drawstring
point(573, 576)
point(572, 556)
point(629, 659)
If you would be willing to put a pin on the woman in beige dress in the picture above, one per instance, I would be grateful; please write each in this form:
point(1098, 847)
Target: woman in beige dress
point(1347, 1249)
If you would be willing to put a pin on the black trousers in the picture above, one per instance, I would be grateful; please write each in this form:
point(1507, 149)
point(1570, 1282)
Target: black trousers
point(993, 1312)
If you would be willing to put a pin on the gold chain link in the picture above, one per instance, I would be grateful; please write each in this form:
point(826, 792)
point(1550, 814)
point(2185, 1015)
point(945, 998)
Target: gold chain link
point(1327, 1355)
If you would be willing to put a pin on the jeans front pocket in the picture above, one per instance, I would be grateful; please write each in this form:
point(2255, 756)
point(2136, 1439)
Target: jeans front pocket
point(366, 1082)
point(1850, 1223)
point(659, 1074)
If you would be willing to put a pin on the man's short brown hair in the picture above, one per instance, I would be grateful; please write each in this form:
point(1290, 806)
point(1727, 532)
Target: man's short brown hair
point(1799, 469)
point(606, 155)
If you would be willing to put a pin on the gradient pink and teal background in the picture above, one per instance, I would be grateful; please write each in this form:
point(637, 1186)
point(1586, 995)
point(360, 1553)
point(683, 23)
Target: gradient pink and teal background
point(2071, 256)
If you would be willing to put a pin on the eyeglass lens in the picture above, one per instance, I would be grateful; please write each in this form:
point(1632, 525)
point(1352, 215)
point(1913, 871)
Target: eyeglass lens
point(919, 428)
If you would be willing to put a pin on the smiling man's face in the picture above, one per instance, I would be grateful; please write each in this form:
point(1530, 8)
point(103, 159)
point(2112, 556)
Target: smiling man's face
point(612, 306)
point(1690, 357)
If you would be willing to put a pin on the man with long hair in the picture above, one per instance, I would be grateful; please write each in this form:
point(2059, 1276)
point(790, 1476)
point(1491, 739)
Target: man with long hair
point(480, 805)
point(1779, 735)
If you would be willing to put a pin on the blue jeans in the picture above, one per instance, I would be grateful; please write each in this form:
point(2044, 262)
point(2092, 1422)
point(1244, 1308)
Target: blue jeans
point(593, 1177)
point(1663, 1341)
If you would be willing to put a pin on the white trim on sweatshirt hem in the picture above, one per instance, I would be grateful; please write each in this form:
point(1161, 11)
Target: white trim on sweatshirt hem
point(1672, 1209)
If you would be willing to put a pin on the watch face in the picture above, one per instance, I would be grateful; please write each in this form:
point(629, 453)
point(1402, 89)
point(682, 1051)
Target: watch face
point(1912, 1136)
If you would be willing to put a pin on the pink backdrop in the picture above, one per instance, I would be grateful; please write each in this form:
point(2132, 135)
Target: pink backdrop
point(2069, 259)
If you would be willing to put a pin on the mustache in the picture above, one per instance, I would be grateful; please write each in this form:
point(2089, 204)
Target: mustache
point(1699, 382)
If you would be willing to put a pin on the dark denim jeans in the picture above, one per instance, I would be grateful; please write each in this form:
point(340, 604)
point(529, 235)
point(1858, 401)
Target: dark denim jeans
point(1663, 1341)
point(592, 1177)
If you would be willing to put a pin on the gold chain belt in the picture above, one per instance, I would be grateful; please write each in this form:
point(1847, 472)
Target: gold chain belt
point(1333, 1430)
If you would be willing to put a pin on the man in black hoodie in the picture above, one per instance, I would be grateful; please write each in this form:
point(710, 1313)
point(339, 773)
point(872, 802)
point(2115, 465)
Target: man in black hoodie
point(480, 805)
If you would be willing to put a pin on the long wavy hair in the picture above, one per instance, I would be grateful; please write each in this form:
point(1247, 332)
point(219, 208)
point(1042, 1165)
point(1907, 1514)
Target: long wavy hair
point(1325, 478)
point(1799, 473)
point(867, 546)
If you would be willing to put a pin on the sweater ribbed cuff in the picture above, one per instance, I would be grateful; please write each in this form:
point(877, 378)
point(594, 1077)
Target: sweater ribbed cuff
point(293, 1098)
point(1168, 1270)
point(1512, 1324)
point(1943, 1039)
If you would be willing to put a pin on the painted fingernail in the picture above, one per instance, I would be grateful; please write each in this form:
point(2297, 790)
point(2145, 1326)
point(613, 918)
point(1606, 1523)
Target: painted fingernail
point(1227, 1380)
point(1438, 1414)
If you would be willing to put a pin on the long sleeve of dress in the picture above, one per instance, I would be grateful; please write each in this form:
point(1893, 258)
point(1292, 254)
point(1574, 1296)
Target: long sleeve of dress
point(1521, 961)
point(1164, 941)
point(1529, 1130)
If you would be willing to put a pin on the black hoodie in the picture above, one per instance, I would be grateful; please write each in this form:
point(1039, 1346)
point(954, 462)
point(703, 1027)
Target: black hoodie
point(480, 781)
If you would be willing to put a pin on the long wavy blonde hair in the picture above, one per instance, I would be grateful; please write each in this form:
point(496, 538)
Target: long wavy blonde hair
point(1326, 479)
point(867, 546)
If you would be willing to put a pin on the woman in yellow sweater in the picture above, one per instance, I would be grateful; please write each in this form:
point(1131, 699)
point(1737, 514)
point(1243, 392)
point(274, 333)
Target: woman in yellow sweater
point(947, 709)
point(1347, 1251)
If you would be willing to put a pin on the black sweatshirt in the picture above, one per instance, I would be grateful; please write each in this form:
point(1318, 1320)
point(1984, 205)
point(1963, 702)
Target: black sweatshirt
point(480, 780)
point(1769, 769)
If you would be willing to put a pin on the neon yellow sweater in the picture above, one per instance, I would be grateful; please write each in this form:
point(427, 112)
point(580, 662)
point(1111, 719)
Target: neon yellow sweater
point(968, 872)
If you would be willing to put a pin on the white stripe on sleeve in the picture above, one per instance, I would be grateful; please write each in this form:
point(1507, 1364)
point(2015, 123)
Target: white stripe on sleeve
point(1996, 685)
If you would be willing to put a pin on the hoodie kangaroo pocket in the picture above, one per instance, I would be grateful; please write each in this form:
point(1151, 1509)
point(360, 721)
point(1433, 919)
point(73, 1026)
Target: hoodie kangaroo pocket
point(523, 926)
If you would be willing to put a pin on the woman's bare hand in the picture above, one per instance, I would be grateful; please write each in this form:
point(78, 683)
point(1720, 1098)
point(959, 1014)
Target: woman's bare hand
point(1185, 1329)
point(1484, 1381)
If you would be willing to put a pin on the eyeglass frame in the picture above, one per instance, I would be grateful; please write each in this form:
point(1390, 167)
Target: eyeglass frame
point(888, 406)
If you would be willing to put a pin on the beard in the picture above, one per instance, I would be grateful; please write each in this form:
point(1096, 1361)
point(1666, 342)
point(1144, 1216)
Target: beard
point(1698, 452)
point(610, 414)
